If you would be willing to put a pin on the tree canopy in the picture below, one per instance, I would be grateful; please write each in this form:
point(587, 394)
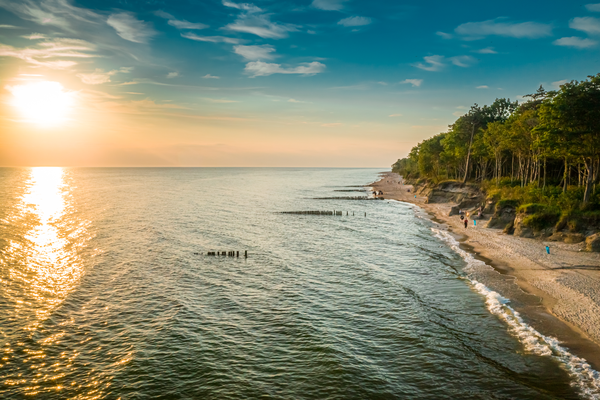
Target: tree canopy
point(552, 138)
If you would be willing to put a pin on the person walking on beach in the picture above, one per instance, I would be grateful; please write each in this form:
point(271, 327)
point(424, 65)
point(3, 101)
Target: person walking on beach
point(466, 222)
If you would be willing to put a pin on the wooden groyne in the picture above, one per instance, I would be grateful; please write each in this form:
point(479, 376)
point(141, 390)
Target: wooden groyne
point(334, 212)
point(349, 198)
point(227, 253)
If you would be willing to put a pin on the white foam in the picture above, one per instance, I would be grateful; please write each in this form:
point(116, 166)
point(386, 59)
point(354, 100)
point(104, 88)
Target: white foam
point(586, 379)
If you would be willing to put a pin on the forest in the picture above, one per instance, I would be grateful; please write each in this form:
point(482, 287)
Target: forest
point(543, 150)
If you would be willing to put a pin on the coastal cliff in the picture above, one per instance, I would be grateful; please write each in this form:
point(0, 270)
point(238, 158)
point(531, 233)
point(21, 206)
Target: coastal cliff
point(523, 220)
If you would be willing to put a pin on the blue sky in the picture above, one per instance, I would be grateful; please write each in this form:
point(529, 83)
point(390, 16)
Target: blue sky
point(307, 83)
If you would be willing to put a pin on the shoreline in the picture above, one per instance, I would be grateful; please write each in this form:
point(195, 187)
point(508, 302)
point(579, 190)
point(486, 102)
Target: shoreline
point(560, 292)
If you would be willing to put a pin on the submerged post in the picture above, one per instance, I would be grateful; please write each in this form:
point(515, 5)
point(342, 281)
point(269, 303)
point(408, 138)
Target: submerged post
point(246, 254)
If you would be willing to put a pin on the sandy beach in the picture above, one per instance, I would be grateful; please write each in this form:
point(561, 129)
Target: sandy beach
point(561, 289)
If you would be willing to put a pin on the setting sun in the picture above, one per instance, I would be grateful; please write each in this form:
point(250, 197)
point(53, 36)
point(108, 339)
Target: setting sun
point(44, 103)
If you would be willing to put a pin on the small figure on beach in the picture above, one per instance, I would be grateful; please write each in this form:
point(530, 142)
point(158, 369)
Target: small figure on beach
point(462, 217)
point(466, 222)
point(380, 193)
point(408, 190)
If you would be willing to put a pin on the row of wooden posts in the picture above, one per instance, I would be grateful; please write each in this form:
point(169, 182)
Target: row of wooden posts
point(334, 212)
point(227, 253)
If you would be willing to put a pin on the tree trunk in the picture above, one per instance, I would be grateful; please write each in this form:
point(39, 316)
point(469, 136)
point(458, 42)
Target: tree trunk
point(468, 156)
point(544, 173)
point(565, 176)
point(589, 181)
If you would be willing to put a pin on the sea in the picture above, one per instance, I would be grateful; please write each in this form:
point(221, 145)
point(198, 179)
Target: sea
point(107, 291)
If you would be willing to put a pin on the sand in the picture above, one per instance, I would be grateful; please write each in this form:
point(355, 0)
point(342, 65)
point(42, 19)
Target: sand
point(563, 286)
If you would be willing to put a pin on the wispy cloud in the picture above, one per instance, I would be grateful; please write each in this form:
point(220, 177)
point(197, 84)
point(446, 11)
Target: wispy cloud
point(588, 25)
point(395, 115)
point(482, 87)
point(444, 35)
point(254, 53)
point(332, 125)
point(499, 27)
point(242, 6)
point(355, 21)
point(432, 63)
point(179, 23)
point(172, 75)
point(437, 62)
point(209, 76)
point(329, 5)
point(557, 84)
point(130, 28)
point(574, 41)
point(487, 50)
point(414, 82)
point(259, 68)
point(593, 7)
point(212, 39)
point(462, 61)
point(99, 77)
point(46, 53)
point(49, 12)
point(260, 25)
point(9, 27)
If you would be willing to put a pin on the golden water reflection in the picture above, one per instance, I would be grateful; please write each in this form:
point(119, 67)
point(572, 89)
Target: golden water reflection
point(46, 261)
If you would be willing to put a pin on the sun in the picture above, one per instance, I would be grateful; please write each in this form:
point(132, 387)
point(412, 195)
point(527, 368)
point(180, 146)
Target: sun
point(43, 103)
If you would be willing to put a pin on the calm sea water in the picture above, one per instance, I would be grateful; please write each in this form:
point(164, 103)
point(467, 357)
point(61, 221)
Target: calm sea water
point(106, 293)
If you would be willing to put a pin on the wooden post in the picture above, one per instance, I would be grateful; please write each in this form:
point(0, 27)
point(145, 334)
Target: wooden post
point(238, 254)
point(246, 254)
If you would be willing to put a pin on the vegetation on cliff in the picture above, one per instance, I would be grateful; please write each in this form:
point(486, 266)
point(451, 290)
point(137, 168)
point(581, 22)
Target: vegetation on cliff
point(544, 151)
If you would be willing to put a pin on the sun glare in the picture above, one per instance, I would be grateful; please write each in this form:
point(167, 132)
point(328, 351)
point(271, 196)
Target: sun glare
point(44, 103)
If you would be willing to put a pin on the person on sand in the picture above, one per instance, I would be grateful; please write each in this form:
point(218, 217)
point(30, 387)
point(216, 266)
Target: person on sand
point(466, 222)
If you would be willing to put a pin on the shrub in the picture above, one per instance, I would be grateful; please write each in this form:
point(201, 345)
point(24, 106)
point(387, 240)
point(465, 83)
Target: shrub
point(532, 208)
point(506, 203)
point(541, 220)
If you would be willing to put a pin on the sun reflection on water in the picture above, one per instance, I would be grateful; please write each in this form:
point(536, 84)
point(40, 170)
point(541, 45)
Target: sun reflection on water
point(52, 265)
point(42, 264)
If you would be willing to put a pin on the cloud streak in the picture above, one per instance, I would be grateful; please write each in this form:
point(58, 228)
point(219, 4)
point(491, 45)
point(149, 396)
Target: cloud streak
point(498, 27)
point(254, 53)
point(355, 21)
point(574, 41)
point(44, 54)
point(180, 24)
point(130, 28)
point(432, 63)
point(413, 82)
point(261, 25)
point(49, 12)
point(329, 5)
point(588, 25)
point(99, 77)
point(260, 68)
point(211, 39)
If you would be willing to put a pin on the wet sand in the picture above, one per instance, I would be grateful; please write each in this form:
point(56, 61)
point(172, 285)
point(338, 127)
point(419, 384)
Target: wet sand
point(562, 289)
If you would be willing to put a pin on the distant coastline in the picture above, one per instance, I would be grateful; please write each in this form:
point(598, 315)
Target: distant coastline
point(565, 283)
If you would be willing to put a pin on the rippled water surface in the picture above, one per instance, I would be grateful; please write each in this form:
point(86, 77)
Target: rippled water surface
point(106, 292)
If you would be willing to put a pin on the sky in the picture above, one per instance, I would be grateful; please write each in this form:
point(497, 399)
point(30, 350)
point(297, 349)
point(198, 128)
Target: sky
point(312, 83)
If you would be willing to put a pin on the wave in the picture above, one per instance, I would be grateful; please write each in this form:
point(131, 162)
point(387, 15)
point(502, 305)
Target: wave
point(585, 378)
